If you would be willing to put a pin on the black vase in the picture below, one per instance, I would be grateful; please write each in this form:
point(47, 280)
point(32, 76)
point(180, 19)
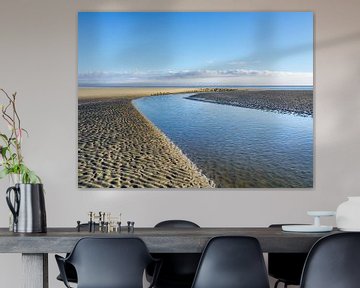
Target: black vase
point(28, 208)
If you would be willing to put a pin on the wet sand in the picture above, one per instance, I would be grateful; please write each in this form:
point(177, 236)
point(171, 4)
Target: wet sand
point(298, 102)
point(119, 148)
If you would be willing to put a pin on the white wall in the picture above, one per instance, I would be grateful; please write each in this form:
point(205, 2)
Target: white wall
point(38, 59)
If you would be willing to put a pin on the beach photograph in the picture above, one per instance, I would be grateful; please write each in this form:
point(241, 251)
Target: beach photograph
point(195, 100)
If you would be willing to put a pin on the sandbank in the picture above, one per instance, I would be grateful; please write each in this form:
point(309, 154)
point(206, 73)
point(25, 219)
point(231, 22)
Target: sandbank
point(298, 102)
point(119, 148)
point(88, 94)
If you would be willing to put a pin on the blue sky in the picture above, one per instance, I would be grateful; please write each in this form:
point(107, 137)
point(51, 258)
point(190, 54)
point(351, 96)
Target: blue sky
point(195, 48)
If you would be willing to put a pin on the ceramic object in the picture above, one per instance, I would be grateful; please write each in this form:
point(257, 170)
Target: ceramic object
point(348, 214)
point(27, 204)
point(306, 228)
point(316, 227)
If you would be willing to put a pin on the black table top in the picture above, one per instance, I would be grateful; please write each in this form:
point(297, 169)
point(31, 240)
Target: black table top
point(158, 240)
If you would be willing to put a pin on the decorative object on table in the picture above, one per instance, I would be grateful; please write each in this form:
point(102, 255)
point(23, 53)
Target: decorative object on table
point(348, 214)
point(101, 221)
point(27, 204)
point(28, 208)
point(213, 132)
point(12, 161)
point(78, 225)
point(130, 225)
point(316, 227)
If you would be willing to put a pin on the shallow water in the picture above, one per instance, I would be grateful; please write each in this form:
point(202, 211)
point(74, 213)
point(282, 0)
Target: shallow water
point(234, 146)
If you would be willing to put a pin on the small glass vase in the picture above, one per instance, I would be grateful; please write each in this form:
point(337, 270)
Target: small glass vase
point(14, 179)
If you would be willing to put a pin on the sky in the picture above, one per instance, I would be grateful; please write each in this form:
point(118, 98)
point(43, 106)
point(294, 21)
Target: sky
point(195, 48)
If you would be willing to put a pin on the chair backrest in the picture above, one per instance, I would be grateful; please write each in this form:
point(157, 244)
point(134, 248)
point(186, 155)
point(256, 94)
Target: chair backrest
point(176, 224)
point(286, 266)
point(232, 262)
point(333, 262)
point(177, 268)
point(110, 262)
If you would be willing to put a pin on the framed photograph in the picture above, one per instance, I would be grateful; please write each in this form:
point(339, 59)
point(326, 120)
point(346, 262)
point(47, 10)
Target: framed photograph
point(195, 99)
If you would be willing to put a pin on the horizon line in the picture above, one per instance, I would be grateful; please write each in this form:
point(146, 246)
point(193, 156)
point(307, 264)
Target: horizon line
point(89, 85)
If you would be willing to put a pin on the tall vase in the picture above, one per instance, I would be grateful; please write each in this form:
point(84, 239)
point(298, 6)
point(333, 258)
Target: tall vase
point(348, 214)
point(27, 204)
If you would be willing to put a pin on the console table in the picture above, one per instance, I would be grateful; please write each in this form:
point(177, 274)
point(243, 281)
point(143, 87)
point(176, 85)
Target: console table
point(35, 247)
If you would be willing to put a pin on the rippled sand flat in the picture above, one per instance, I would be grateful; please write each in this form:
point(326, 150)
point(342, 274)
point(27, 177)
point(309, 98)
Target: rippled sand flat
point(119, 148)
point(299, 102)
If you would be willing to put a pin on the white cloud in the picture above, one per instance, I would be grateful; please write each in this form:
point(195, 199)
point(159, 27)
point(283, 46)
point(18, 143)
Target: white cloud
point(197, 77)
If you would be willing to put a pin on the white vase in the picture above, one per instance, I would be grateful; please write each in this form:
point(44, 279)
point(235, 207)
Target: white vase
point(348, 215)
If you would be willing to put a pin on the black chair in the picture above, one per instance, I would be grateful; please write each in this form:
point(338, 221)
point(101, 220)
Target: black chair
point(69, 269)
point(178, 269)
point(108, 263)
point(176, 224)
point(232, 262)
point(70, 273)
point(333, 262)
point(286, 267)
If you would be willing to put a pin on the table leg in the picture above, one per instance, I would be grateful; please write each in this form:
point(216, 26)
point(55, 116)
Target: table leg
point(35, 270)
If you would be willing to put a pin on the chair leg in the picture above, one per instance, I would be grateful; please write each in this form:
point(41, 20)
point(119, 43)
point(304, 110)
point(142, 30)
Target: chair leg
point(278, 282)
